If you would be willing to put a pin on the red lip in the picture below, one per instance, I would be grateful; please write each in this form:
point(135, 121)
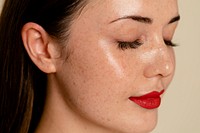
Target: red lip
point(148, 101)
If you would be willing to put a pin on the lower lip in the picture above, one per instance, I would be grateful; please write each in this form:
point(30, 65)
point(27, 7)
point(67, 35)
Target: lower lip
point(148, 101)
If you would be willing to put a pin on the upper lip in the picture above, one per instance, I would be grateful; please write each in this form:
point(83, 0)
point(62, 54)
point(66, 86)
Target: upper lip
point(152, 94)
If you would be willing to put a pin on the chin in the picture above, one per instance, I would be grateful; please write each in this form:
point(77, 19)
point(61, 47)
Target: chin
point(143, 123)
point(146, 124)
point(144, 127)
point(147, 129)
point(141, 128)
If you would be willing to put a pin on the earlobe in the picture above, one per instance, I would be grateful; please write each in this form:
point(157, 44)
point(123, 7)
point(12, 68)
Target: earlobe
point(36, 42)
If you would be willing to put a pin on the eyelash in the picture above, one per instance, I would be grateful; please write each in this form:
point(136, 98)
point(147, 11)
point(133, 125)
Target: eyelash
point(170, 43)
point(137, 43)
point(125, 45)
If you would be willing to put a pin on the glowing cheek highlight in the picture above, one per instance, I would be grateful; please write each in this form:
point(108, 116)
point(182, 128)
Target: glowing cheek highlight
point(111, 59)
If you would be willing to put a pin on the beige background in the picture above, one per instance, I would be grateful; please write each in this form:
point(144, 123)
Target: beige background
point(180, 110)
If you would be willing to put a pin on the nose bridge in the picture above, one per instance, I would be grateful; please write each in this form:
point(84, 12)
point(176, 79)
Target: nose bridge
point(162, 60)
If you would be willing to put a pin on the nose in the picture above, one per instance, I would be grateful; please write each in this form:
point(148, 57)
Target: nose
point(161, 62)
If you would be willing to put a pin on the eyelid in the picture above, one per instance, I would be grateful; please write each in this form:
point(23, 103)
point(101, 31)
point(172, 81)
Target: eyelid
point(137, 43)
point(125, 45)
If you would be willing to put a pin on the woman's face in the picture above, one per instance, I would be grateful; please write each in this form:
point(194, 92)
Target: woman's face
point(101, 72)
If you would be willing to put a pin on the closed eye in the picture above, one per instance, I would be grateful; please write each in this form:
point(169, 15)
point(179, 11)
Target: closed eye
point(125, 45)
point(137, 43)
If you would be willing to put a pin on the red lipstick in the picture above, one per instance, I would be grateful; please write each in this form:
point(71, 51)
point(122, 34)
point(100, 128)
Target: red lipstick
point(148, 101)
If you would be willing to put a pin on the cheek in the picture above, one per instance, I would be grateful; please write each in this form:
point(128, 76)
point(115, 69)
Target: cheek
point(92, 74)
point(93, 83)
point(98, 80)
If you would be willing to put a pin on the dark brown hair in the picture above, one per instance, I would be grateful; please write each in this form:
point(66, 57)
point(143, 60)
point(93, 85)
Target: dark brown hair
point(22, 84)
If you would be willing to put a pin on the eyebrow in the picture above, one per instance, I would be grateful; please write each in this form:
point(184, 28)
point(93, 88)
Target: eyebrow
point(136, 18)
point(145, 20)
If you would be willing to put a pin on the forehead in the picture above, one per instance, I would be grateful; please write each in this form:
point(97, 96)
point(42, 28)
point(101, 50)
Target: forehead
point(111, 9)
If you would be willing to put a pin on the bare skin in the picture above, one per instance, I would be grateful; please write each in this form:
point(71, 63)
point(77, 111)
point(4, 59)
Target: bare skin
point(89, 90)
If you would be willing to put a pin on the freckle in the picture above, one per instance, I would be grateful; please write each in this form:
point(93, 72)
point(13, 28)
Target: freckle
point(108, 119)
point(74, 83)
point(117, 102)
point(86, 128)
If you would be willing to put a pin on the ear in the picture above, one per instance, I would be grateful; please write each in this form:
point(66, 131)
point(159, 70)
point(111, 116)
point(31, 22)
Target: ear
point(38, 45)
